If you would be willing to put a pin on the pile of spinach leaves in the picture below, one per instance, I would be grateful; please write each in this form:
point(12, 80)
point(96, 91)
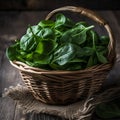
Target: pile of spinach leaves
point(60, 45)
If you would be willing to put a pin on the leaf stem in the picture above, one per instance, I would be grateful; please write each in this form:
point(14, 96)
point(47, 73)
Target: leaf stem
point(31, 30)
point(33, 33)
point(87, 28)
point(93, 40)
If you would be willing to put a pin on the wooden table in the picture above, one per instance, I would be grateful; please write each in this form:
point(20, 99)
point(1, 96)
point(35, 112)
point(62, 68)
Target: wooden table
point(13, 25)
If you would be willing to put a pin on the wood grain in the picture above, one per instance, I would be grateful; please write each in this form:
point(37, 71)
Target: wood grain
point(7, 109)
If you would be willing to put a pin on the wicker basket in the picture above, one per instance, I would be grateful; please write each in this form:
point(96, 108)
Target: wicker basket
point(64, 87)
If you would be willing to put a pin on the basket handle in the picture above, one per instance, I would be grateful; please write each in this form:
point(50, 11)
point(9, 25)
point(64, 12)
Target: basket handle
point(92, 15)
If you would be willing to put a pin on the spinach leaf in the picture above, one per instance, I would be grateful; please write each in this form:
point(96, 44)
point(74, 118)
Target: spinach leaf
point(101, 58)
point(46, 23)
point(41, 58)
point(74, 66)
point(46, 47)
point(77, 60)
point(62, 21)
point(28, 43)
point(104, 40)
point(90, 62)
point(64, 54)
point(75, 35)
point(12, 52)
point(37, 64)
point(66, 37)
point(29, 56)
point(46, 33)
point(92, 38)
point(95, 60)
point(80, 26)
point(100, 48)
point(35, 29)
point(88, 51)
point(82, 36)
point(56, 66)
point(84, 52)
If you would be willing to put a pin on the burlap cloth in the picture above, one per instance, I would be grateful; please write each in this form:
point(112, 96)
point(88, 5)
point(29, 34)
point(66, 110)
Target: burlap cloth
point(81, 110)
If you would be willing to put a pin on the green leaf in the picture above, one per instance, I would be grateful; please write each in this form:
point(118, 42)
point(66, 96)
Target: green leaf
point(104, 40)
point(46, 23)
point(29, 56)
point(62, 21)
point(55, 66)
point(78, 32)
point(37, 64)
point(90, 62)
point(94, 37)
point(46, 47)
point(64, 54)
point(28, 43)
point(41, 58)
point(100, 48)
point(95, 60)
point(79, 26)
point(81, 36)
point(66, 37)
point(88, 51)
point(101, 58)
point(84, 52)
point(74, 66)
point(23, 53)
point(12, 51)
point(35, 29)
point(60, 18)
point(76, 60)
point(46, 33)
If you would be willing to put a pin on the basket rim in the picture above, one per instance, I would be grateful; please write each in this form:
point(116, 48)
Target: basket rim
point(26, 68)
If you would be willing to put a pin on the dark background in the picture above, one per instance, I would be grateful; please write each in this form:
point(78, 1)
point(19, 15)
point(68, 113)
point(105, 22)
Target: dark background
point(52, 4)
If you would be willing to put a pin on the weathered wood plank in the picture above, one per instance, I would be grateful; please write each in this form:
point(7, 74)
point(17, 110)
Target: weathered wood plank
point(7, 109)
point(9, 75)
